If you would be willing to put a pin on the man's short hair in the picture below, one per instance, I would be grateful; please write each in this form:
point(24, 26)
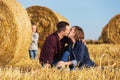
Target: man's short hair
point(61, 26)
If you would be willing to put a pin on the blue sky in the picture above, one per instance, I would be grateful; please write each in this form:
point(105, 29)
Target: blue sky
point(91, 15)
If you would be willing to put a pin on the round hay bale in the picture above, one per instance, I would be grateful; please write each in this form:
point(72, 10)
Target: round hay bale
point(111, 32)
point(15, 32)
point(45, 19)
point(60, 17)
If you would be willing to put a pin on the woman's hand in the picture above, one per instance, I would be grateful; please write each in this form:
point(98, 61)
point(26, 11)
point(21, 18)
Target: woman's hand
point(61, 63)
point(83, 41)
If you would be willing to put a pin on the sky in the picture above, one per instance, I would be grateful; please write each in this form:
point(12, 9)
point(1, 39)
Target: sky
point(91, 15)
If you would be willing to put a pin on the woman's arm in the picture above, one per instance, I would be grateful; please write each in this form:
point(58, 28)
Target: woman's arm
point(73, 62)
point(80, 53)
point(62, 63)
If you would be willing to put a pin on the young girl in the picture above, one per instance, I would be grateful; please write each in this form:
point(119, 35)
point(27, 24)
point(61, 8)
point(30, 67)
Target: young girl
point(77, 53)
point(34, 45)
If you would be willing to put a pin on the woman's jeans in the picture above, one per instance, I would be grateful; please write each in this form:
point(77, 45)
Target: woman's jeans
point(33, 54)
point(66, 56)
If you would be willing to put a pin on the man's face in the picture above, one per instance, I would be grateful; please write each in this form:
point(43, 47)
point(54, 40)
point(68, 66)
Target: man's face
point(72, 33)
point(66, 32)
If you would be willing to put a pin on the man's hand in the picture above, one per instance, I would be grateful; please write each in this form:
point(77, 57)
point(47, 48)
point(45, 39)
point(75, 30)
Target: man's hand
point(47, 65)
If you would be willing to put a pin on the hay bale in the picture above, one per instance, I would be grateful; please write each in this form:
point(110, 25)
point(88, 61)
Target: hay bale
point(111, 32)
point(45, 19)
point(60, 17)
point(15, 32)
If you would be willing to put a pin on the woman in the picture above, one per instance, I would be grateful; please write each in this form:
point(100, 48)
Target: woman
point(77, 53)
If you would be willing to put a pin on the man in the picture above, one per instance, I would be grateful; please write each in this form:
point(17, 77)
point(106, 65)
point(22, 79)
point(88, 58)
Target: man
point(53, 47)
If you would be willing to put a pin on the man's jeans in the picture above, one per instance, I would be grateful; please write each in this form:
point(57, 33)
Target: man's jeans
point(33, 54)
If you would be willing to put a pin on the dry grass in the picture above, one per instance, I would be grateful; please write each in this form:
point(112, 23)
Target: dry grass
point(108, 68)
point(54, 74)
point(107, 53)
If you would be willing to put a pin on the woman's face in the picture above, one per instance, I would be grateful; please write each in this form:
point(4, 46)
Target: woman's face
point(72, 33)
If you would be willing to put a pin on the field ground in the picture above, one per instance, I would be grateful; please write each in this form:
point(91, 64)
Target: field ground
point(106, 56)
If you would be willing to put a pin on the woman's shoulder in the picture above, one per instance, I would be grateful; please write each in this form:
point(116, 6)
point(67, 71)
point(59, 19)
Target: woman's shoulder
point(80, 44)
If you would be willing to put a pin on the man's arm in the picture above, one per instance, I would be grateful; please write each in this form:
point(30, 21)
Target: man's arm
point(50, 49)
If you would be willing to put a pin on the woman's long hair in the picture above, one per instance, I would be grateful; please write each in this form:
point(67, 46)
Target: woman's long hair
point(79, 33)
